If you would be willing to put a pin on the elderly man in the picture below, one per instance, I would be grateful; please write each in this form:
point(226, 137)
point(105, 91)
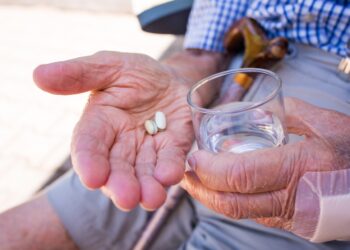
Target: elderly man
point(283, 187)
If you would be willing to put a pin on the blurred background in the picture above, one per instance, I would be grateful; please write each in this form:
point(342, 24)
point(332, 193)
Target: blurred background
point(35, 127)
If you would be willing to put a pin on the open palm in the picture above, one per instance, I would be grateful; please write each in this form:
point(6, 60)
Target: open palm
point(110, 148)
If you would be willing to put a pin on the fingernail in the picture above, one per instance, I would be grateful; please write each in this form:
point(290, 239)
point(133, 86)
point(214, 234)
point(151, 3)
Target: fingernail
point(146, 208)
point(192, 162)
point(117, 205)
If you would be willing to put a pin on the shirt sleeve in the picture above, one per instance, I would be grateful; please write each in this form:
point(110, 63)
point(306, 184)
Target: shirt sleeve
point(209, 21)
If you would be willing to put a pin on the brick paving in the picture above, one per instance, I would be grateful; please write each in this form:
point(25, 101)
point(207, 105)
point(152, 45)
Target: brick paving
point(35, 127)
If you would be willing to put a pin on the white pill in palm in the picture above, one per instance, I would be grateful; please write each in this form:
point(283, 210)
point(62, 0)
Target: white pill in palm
point(160, 120)
point(151, 127)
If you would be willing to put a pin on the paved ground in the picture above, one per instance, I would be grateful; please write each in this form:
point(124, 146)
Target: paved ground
point(112, 6)
point(35, 127)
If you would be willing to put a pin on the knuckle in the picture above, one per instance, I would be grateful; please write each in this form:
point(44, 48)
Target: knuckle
point(237, 177)
point(233, 180)
point(234, 209)
point(278, 205)
point(294, 161)
point(223, 206)
point(282, 203)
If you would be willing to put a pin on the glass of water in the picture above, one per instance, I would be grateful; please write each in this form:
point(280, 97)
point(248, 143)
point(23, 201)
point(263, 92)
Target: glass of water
point(228, 124)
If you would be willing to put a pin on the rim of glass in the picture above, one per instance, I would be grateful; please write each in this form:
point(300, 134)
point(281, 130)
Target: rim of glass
point(226, 72)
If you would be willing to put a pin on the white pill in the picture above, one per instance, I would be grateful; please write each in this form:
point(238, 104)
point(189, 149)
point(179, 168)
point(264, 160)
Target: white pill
point(151, 127)
point(160, 120)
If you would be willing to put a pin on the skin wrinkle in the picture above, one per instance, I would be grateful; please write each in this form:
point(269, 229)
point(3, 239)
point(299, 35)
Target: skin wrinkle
point(102, 145)
point(230, 177)
point(261, 208)
point(164, 105)
point(288, 205)
point(127, 104)
point(150, 77)
point(62, 69)
point(77, 151)
point(203, 179)
point(97, 97)
point(131, 79)
point(144, 169)
point(110, 72)
point(149, 80)
point(242, 183)
point(234, 207)
point(165, 138)
point(138, 111)
point(298, 159)
point(255, 176)
point(319, 158)
point(251, 206)
point(289, 165)
point(145, 164)
point(224, 207)
point(277, 205)
point(129, 152)
point(161, 159)
point(104, 118)
point(141, 134)
point(108, 119)
point(123, 166)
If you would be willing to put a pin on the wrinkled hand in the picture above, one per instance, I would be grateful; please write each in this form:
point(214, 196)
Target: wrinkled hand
point(110, 148)
point(265, 184)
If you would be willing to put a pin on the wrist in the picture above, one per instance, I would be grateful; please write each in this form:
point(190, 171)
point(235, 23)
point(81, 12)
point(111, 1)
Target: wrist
point(192, 65)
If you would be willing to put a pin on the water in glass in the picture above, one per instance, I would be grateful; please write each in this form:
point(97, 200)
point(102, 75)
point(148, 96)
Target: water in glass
point(240, 132)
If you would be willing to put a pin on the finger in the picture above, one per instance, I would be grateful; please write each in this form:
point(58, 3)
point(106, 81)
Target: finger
point(239, 206)
point(92, 138)
point(122, 184)
point(170, 165)
point(252, 172)
point(80, 74)
point(152, 192)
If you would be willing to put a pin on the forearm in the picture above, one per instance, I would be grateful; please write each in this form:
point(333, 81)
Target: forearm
point(193, 65)
point(33, 225)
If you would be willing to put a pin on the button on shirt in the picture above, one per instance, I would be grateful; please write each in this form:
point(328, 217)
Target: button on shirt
point(323, 24)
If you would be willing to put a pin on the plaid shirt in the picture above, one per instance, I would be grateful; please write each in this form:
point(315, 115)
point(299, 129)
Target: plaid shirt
point(321, 23)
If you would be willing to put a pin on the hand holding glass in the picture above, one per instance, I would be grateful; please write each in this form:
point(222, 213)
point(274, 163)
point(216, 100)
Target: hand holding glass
point(231, 125)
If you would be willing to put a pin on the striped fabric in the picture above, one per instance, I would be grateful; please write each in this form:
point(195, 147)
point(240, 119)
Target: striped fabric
point(321, 23)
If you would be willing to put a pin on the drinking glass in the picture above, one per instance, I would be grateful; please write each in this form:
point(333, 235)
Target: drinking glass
point(228, 124)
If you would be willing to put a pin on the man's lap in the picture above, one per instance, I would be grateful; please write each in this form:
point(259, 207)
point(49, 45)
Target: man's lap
point(94, 223)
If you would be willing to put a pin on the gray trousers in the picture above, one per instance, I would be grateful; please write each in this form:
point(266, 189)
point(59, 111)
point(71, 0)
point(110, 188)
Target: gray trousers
point(94, 223)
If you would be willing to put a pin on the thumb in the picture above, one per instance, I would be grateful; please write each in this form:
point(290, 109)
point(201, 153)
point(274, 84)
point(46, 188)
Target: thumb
point(296, 113)
point(80, 74)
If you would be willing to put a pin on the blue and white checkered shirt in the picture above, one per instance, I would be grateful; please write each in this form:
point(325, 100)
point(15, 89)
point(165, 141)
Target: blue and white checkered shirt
point(321, 23)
